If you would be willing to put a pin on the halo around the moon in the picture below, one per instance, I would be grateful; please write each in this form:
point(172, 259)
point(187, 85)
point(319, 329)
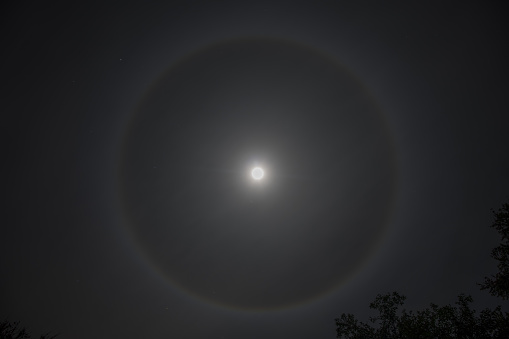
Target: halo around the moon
point(183, 174)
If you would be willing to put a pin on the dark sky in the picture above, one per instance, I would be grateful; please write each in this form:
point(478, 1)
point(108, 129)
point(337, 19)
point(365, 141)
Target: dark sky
point(130, 130)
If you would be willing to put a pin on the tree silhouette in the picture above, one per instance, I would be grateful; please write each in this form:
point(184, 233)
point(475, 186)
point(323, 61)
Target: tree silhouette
point(459, 321)
point(13, 330)
point(498, 285)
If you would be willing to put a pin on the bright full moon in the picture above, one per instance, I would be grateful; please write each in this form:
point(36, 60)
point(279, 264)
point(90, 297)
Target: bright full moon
point(257, 173)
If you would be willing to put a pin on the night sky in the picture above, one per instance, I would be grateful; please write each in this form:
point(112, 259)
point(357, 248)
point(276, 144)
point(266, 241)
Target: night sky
point(130, 131)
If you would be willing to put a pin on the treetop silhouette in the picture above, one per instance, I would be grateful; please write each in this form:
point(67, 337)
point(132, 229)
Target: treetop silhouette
point(459, 321)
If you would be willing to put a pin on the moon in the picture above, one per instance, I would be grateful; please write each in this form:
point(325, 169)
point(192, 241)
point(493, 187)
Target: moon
point(257, 173)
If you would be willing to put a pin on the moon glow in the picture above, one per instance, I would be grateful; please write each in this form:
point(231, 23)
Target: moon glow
point(257, 173)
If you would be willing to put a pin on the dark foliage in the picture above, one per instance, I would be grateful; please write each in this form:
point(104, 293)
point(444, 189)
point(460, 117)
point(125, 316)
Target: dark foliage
point(498, 285)
point(13, 330)
point(458, 321)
